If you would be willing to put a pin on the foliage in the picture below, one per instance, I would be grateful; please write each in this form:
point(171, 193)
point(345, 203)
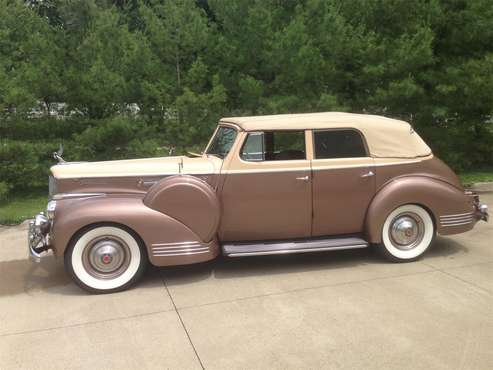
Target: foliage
point(19, 207)
point(481, 175)
point(138, 76)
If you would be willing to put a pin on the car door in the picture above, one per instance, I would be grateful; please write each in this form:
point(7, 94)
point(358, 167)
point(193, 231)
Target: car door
point(267, 188)
point(343, 181)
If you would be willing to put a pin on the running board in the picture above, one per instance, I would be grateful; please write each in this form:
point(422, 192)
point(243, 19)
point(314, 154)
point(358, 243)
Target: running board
point(241, 249)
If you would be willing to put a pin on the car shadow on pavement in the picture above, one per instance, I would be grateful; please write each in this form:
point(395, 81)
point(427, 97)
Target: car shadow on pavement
point(225, 268)
point(23, 276)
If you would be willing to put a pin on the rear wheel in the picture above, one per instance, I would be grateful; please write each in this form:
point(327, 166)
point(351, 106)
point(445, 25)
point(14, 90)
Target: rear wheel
point(105, 259)
point(407, 233)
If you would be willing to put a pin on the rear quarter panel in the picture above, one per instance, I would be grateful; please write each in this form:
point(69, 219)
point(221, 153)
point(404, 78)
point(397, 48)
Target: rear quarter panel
point(437, 196)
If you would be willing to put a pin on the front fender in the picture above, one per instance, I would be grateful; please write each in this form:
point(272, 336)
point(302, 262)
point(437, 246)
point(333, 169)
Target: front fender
point(438, 197)
point(159, 232)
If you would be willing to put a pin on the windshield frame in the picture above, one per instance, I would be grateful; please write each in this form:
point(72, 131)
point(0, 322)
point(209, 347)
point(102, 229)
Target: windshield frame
point(214, 135)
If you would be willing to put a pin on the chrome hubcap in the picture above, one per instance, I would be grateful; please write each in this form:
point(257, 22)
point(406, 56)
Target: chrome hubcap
point(106, 257)
point(406, 231)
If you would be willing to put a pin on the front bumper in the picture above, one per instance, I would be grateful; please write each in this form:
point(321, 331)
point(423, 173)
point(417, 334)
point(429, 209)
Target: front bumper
point(38, 237)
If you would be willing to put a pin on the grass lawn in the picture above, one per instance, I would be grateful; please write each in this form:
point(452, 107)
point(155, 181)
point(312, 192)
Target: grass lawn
point(470, 177)
point(20, 207)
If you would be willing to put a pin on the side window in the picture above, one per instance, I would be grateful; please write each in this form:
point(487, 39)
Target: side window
point(338, 144)
point(274, 146)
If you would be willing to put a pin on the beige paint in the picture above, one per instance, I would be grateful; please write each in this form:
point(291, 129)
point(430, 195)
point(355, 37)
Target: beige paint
point(385, 137)
point(139, 167)
point(234, 164)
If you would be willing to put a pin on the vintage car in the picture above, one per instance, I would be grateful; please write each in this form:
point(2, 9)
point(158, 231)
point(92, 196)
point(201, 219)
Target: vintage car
point(264, 185)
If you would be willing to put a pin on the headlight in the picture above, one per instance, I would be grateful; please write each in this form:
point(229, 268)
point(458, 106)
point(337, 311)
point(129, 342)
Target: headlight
point(50, 209)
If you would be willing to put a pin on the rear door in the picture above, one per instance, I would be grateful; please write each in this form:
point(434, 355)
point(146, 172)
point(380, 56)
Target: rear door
point(343, 181)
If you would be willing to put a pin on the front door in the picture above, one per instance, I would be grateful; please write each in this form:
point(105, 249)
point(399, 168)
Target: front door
point(267, 189)
point(343, 182)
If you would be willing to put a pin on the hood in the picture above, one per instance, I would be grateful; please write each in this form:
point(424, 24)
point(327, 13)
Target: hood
point(138, 167)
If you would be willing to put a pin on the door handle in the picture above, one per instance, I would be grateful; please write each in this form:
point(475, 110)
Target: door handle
point(368, 174)
point(303, 178)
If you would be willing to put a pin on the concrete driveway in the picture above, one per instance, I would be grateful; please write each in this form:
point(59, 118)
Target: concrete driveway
point(337, 310)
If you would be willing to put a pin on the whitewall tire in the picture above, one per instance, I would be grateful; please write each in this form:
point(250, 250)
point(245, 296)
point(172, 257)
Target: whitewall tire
point(105, 259)
point(407, 233)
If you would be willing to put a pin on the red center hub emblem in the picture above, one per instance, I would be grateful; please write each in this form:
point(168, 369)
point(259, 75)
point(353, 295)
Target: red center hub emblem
point(106, 259)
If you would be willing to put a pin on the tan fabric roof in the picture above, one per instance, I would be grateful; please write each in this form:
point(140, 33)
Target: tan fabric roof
point(385, 137)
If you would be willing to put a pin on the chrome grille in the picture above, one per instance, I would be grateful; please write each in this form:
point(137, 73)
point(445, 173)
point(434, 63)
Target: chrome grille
point(51, 185)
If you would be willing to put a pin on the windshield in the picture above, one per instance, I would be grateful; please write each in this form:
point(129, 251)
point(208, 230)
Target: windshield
point(222, 142)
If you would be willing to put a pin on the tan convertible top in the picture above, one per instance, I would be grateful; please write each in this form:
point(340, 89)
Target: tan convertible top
point(386, 137)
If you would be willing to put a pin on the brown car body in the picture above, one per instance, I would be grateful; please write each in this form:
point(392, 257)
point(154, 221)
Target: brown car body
point(184, 210)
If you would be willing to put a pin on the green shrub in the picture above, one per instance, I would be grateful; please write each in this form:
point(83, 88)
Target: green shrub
point(42, 128)
point(24, 164)
point(117, 138)
point(4, 191)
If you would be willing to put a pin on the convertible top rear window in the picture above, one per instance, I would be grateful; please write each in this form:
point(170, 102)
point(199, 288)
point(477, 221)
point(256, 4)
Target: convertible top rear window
point(338, 144)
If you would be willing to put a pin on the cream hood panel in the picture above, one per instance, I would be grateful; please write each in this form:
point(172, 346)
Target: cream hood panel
point(138, 167)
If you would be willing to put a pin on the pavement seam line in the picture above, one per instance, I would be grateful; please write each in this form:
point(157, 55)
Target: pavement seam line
point(487, 291)
point(305, 289)
point(182, 323)
point(83, 324)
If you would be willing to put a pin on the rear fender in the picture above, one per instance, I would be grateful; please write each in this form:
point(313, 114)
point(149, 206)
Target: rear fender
point(436, 196)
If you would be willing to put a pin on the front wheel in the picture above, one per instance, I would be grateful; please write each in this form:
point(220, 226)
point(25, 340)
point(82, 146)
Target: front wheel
point(407, 233)
point(105, 259)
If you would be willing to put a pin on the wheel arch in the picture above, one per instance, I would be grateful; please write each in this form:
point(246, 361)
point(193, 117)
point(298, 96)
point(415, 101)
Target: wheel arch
point(94, 225)
point(435, 196)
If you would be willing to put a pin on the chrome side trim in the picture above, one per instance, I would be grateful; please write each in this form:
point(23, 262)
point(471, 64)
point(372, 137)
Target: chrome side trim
point(179, 249)
point(457, 219)
point(292, 246)
point(457, 224)
point(76, 195)
point(172, 244)
point(290, 251)
point(457, 215)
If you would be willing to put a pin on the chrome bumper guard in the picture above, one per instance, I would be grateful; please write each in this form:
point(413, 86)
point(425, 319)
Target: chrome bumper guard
point(482, 211)
point(38, 237)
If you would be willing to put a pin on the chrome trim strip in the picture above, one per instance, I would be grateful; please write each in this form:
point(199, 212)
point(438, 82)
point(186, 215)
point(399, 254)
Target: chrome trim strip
point(452, 220)
point(456, 221)
point(290, 251)
point(180, 254)
point(457, 215)
point(171, 244)
point(191, 246)
point(135, 174)
point(75, 195)
point(317, 167)
point(179, 249)
point(456, 218)
point(457, 224)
